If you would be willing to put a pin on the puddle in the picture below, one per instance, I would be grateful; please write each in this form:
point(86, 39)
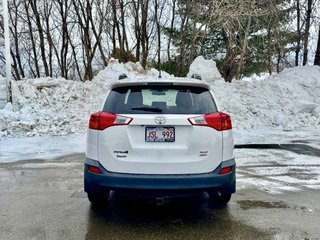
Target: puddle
point(249, 204)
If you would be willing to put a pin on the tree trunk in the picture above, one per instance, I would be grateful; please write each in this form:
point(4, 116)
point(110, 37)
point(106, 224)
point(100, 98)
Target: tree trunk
point(306, 33)
point(137, 28)
point(33, 43)
point(244, 49)
point(182, 47)
point(117, 27)
point(41, 36)
point(156, 6)
point(194, 36)
point(65, 39)
point(171, 29)
point(98, 33)
point(269, 51)
point(317, 56)
point(228, 62)
point(14, 19)
point(123, 26)
point(144, 32)
point(278, 60)
point(299, 35)
point(51, 46)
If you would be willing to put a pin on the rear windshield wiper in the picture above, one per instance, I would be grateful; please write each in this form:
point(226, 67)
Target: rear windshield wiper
point(148, 109)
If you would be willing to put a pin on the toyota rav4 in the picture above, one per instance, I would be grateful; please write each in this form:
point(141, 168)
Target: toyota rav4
point(160, 138)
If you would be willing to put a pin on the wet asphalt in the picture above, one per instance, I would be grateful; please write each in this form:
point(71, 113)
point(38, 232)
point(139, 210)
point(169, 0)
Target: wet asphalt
point(292, 147)
point(45, 200)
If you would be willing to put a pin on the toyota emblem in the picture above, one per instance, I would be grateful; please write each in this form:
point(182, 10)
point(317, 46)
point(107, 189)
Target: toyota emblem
point(160, 120)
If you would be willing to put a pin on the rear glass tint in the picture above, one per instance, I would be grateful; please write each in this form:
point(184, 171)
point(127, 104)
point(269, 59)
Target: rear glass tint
point(166, 99)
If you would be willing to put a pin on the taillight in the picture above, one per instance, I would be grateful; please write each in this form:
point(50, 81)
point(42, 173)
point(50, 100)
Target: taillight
point(94, 169)
point(103, 120)
point(225, 170)
point(219, 121)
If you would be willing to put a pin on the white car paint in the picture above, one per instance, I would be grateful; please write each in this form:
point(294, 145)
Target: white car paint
point(196, 149)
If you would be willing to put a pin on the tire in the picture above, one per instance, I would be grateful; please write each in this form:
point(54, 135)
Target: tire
point(219, 198)
point(98, 199)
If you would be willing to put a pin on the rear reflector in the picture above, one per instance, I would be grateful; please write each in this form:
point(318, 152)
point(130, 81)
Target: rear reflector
point(218, 120)
point(225, 170)
point(103, 120)
point(94, 169)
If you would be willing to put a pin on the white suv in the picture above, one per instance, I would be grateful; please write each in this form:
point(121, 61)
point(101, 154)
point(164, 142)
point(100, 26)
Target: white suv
point(160, 138)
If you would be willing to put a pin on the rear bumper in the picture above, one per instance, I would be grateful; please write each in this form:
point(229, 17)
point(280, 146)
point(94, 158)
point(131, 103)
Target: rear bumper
point(160, 183)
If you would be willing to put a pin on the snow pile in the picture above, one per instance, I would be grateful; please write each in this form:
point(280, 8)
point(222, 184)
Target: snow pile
point(289, 100)
point(206, 68)
point(58, 106)
point(49, 106)
point(3, 89)
point(133, 71)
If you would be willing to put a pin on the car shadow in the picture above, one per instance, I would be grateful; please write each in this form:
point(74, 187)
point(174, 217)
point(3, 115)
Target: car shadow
point(190, 218)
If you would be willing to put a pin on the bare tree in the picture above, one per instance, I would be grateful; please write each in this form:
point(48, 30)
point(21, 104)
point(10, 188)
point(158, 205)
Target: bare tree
point(135, 10)
point(307, 32)
point(63, 7)
point(298, 33)
point(41, 32)
point(75, 38)
point(90, 35)
point(98, 25)
point(158, 14)
point(33, 59)
point(14, 29)
point(317, 55)
point(171, 29)
point(144, 32)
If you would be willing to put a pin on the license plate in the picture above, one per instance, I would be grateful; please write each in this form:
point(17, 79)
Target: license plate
point(160, 134)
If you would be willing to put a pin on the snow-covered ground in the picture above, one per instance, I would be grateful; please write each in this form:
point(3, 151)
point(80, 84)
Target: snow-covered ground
point(41, 147)
point(276, 171)
point(49, 118)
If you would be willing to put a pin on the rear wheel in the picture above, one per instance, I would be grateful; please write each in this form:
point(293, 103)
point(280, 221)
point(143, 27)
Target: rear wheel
point(219, 198)
point(98, 199)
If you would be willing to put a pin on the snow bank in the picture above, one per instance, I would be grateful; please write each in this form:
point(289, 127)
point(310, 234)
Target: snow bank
point(289, 100)
point(132, 70)
point(206, 68)
point(46, 106)
point(49, 106)
point(3, 93)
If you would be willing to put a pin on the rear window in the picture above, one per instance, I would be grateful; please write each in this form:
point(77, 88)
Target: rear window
point(166, 99)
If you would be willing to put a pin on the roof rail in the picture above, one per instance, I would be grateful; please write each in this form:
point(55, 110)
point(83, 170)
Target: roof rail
point(196, 76)
point(122, 76)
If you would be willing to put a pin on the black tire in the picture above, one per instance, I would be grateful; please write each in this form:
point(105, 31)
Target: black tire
point(219, 198)
point(98, 199)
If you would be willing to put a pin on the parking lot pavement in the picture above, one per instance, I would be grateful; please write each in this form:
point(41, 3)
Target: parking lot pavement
point(277, 198)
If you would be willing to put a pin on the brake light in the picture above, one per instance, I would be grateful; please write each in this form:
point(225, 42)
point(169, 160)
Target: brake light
point(103, 120)
point(94, 169)
point(219, 121)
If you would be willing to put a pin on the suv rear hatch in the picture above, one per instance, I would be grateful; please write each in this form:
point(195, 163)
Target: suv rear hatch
point(159, 129)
